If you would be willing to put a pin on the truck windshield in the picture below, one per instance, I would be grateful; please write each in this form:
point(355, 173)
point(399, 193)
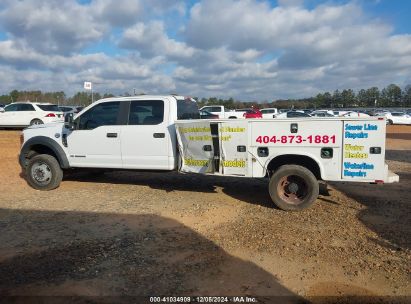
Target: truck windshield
point(49, 108)
point(187, 109)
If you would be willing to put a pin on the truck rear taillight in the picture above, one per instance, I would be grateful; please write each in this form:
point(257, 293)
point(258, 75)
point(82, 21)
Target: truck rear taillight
point(51, 115)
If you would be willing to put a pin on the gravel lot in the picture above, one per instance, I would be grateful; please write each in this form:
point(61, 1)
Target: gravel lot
point(128, 233)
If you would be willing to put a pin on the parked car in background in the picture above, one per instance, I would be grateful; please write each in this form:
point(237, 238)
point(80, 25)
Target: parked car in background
point(398, 118)
point(269, 112)
point(354, 114)
point(222, 112)
point(293, 114)
point(251, 113)
point(322, 113)
point(307, 111)
point(70, 109)
point(23, 114)
point(207, 115)
point(339, 112)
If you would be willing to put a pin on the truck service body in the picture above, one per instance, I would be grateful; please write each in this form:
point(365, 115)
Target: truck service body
point(162, 133)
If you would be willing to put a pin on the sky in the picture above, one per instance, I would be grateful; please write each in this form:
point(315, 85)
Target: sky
point(251, 50)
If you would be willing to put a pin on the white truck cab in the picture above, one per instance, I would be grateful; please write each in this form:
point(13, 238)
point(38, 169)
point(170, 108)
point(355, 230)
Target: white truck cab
point(164, 133)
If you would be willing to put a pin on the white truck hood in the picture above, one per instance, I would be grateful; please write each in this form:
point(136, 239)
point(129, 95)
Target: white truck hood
point(47, 125)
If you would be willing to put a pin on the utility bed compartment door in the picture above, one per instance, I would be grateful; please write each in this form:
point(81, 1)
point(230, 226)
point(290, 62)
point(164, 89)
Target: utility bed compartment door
point(213, 147)
point(301, 136)
point(363, 150)
point(233, 137)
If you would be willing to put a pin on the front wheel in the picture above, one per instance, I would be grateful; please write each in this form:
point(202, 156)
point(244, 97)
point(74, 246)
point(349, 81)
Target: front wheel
point(43, 172)
point(293, 188)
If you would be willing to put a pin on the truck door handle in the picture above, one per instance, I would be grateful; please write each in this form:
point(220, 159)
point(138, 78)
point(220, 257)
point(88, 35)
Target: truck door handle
point(159, 135)
point(112, 135)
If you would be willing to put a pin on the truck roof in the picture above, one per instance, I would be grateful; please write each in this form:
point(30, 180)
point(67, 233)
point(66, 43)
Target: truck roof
point(134, 97)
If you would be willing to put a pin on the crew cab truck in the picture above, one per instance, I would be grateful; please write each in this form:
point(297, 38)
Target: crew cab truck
point(163, 133)
point(222, 112)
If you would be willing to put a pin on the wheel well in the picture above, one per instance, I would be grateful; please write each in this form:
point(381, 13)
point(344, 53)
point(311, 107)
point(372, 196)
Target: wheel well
point(293, 159)
point(40, 149)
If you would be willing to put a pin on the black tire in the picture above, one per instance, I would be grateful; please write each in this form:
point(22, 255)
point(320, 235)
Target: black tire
point(36, 121)
point(232, 117)
point(389, 122)
point(43, 172)
point(293, 188)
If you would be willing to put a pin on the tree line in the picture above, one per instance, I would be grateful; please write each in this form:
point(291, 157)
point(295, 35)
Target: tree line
point(390, 96)
point(60, 98)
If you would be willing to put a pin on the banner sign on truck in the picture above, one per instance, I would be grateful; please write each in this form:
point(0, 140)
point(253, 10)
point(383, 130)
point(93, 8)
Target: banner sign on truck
point(192, 137)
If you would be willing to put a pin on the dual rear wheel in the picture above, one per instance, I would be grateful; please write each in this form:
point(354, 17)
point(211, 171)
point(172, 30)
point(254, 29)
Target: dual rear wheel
point(293, 188)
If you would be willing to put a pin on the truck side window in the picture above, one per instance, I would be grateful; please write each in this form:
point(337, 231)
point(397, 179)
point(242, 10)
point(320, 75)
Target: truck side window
point(103, 114)
point(146, 112)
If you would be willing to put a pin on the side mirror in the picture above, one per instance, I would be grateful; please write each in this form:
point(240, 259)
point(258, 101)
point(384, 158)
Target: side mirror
point(68, 121)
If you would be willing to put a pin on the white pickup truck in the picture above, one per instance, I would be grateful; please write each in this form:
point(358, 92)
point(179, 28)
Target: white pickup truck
point(162, 133)
point(222, 112)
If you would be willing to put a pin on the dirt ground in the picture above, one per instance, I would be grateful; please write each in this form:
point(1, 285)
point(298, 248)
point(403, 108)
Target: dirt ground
point(128, 233)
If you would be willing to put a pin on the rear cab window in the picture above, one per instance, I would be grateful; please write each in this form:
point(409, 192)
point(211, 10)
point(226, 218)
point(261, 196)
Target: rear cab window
point(146, 112)
point(187, 109)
